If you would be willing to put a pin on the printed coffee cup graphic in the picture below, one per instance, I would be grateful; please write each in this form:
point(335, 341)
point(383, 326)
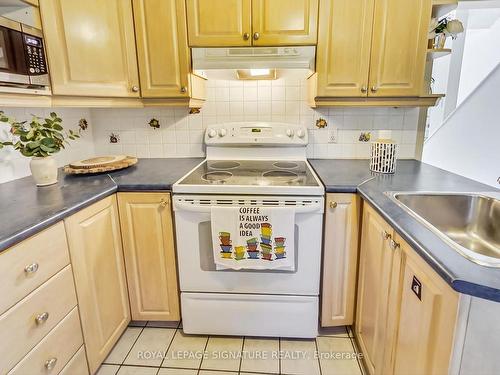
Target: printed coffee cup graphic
point(225, 245)
point(252, 251)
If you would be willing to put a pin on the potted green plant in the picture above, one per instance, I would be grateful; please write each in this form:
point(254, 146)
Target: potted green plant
point(39, 139)
point(439, 30)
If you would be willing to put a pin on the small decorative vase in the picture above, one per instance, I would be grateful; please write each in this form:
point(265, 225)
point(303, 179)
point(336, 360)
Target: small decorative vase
point(44, 170)
point(439, 41)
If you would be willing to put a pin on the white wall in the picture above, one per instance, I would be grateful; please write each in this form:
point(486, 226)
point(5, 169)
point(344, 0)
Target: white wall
point(468, 143)
point(13, 165)
point(284, 100)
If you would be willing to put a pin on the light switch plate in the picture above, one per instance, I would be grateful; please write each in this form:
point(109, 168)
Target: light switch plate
point(333, 134)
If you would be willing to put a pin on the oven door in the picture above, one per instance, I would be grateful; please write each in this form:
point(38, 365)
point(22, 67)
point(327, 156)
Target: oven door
point(197, 270)
point(12, 60)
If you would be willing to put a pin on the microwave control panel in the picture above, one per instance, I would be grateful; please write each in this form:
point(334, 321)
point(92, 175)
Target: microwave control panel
point(35, 56)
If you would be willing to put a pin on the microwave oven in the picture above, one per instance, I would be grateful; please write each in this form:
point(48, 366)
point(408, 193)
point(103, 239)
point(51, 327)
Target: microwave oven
point(22, 56)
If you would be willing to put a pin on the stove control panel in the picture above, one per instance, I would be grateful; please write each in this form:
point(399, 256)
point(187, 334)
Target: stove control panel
point(256, 133)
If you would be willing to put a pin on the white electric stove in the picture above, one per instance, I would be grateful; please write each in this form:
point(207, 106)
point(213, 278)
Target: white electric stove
point(250, 164)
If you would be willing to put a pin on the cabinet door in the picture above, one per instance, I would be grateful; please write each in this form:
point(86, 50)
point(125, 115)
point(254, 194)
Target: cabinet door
point(284, 22)
point(374, 282)
point(162, 51)
point(91, 47)
point(399, 47)
point(427, 317)
point(96, 255)
point(340, 257)
point(219, 23)
point(343, 53)
point(148, 244)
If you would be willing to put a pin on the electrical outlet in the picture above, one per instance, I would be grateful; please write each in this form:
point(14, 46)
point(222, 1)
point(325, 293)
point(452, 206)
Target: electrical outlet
point(333, 135)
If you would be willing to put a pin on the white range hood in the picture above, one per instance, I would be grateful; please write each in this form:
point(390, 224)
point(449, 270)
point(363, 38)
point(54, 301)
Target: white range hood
point(254, 58)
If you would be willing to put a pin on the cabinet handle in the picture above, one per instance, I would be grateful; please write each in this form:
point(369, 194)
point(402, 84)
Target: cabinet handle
point(183, 89)
point(31, 268)
point(386, 235)
point(394, 245)
point(42, 318)
point(163, 203)
point(135, 88)
point(246, 36)
point(50, 363)
point(333, 204)
point(256, 36)
point(364, 89)
point(374, 88)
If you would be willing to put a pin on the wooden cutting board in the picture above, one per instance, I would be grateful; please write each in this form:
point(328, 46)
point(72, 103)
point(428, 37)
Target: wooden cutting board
point(100, 164)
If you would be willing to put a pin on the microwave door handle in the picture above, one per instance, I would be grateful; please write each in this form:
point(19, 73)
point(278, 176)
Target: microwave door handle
point(183, 206)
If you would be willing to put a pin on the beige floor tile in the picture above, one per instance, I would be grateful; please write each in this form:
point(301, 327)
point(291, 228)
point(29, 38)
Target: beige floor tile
point(329, 349)
point(177, 371)
point(260, 355)
point(223, 353)
point(123, 346)
point(150, 347)
point(107, 370)
point(299, 357)
point(255, 373)
point(208, 372)
point(334, 331)
point(159, 324)
point(186, 351)
point(135, 370)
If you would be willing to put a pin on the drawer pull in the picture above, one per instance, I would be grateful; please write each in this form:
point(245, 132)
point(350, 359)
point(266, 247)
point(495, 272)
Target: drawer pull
point(31, 268)
point(163, 203)
point(394, 245)
point(333, 204)
point(50, 363)
point(386, 235)
point(42, 318)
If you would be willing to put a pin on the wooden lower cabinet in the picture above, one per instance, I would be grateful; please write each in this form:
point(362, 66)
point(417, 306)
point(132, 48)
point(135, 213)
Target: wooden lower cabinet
point(406, 313)
point(340, 259)
point(148, 243)
point(96, 254)
point(426, 323)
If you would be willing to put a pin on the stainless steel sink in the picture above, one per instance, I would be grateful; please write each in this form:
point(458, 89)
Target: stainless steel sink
point(469, 222)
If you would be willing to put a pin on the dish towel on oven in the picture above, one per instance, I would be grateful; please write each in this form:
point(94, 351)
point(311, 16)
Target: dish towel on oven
point(251, 237)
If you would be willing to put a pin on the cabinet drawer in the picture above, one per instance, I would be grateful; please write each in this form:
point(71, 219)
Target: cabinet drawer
point(46, 251)
point(19, 330)
point(76, 365)
point(55, 350)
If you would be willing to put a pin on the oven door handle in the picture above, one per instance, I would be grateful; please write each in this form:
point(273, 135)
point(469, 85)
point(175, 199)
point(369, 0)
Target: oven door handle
point(182, 206)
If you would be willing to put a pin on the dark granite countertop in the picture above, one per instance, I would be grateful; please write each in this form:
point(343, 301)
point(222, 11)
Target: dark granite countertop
point(463, 275)
point(26, 209)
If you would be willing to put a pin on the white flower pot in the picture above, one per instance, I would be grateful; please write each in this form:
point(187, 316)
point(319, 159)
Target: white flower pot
point(44, 170)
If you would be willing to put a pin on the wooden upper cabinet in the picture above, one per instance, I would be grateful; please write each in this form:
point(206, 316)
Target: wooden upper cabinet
point(340, 259)
point(343, 53)
point(427, 317)
point(284, 22)
point(95, 248)
point(162, 50)
point(148, 243)
point(91, 47)
point(219, 23)
point(399, 47)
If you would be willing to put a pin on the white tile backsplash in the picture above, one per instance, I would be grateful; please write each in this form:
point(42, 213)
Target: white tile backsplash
point(181, 134)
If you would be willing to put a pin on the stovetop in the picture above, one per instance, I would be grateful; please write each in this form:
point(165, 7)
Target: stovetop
point(275, 173)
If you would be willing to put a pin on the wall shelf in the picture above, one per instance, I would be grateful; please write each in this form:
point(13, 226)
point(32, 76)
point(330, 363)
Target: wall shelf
point(435, 53)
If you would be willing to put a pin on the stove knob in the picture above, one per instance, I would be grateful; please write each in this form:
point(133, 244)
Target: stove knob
point(289, 132)
point(211, 133)
point(222, 132)
point(301, 133)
